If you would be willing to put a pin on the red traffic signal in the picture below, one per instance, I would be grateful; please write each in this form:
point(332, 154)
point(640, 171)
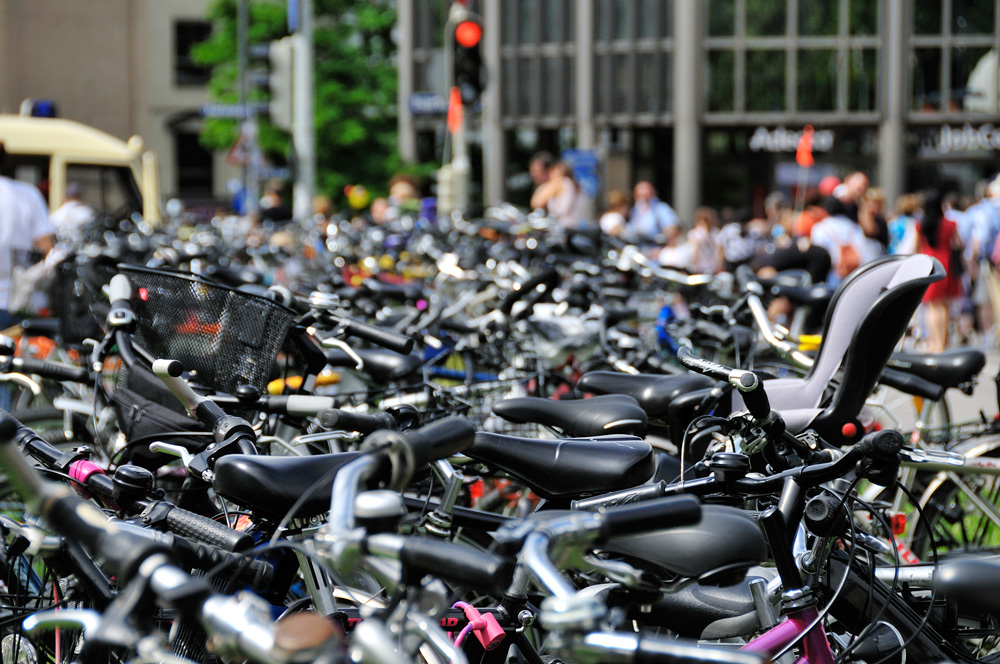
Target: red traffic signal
point(469, 73)
point(468, 34)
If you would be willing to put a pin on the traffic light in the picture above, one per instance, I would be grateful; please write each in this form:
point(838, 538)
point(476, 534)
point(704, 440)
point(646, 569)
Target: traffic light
point(469, 71)
point(281, 54)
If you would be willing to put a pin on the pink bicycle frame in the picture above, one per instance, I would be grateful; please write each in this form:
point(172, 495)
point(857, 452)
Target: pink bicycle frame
point(816, 649)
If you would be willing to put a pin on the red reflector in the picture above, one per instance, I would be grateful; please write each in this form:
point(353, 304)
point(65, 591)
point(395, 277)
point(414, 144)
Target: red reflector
point(468, 33)
point(849, 430)
point(898, 523)
point(143, 294)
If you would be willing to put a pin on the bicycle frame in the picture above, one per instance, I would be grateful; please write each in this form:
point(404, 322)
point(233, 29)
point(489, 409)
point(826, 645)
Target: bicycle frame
point(816, 648)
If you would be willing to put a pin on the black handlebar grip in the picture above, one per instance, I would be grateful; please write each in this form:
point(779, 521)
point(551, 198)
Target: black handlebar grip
point(209, 413)
point(394, 341)
point(52, 370)
point(456, 563)
point(650, 515)
point(618, 315)
point(745, 276)
point(756, 400)
point(201, 528)
point(653, 650)
point(884, 444)
point(440, 440)
point(910, 384)
point(702, 366)
point(334, 418)
point(549, 277)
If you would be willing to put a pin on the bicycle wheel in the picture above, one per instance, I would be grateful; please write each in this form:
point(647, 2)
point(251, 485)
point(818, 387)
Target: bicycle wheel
point(897, 410)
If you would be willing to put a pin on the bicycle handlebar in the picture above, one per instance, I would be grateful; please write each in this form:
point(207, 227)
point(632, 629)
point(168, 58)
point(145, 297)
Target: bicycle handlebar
point(747, 382)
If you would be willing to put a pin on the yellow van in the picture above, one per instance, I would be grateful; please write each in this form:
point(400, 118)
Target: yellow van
point(116, 178)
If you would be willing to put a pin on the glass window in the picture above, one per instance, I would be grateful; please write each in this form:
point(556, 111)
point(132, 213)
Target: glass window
point(602, 19)
point(927, 17)
point(649, 81)
point(649, 18)
point(526, 87)
point(509, 92)
point(720, 86)
point(621, 19)
point(818, 17)
point(552, 86)
point(817, 84)
point(667, 75)
point(972, 17)
point(552, 21)
point(194, 166)
point(110, 191)
point(509, 31)
point(971, 70)
point(721, 17)
point(528, 21)
point(569, 20)
point(926, 72)
point(765, 80)
point(603, 83)
point(621, 90)
point(568, 87)
point(862, 80)
point(187, 34)
point(864, 17)
point(765, 17)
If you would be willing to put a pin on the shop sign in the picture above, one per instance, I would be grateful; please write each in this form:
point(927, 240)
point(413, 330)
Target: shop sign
point(785, 140)
point(984, 137)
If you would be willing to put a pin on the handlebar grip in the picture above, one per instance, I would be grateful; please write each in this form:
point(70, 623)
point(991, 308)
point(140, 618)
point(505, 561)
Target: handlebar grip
point(440, 439)
point(119, 290)
point(700, 365)
point(389, 339)
point(757, 402)
point(52, 370)
point(456, 563)
point(203, 529)
point(334, 418)
point(549, 277)
point(884, 444)
point(911, 384)
point(650, 515)
point(652, 650)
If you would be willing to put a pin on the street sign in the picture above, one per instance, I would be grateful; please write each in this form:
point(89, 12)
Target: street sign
point(427, 103)
point(585, 169)
point(232, 111)
point(275, 173)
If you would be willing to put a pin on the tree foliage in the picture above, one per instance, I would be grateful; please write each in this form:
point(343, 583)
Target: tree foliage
point(355, 89)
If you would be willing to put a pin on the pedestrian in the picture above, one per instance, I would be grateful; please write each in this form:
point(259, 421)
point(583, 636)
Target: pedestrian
point(843, 239)
point(538, 167)
point(561, 197)
point(903, 227)
point(938, 237)
point(73, 215)
point(704, 240)
point(613, 222)
point(25, 233)
point(650, 217)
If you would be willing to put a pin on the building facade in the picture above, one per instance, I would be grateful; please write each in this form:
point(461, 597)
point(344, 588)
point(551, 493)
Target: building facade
point(708, 98)
point(122, 66)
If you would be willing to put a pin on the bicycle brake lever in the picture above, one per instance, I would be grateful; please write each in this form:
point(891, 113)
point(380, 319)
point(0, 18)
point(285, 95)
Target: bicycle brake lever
point(932, 456)
point(615, 570)
point(173, 450)
point(332, 342)
point(83, 619)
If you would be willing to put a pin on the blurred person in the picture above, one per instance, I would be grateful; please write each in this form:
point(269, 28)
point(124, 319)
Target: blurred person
point(561, 197)
point(812, 213)
point(613, 222)
point(379, 210)
point(903, 227)
point(843, 239)
point(827, 185)
point(704, 240)
point(538, 167)
point(742, 239)
point(938, 237)
point(860, 209)
point(650, 217)
point(72, 215)
point(676, 252)
point(25, 229)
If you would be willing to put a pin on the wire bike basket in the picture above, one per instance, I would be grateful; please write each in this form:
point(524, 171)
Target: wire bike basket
point(225, 337)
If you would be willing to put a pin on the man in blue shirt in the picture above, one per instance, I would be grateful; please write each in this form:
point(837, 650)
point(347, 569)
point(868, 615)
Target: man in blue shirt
point(650, 217)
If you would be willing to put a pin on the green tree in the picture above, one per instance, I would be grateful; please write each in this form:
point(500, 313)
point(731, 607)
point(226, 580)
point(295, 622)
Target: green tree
point(355, 93)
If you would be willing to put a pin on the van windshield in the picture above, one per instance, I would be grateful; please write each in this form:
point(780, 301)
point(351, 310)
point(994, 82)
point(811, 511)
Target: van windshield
point(109, 190)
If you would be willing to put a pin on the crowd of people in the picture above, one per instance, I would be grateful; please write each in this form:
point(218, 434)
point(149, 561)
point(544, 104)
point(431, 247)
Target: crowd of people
point(832, 230)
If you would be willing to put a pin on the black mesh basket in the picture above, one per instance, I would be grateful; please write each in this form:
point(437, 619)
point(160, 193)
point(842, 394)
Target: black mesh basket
point(226, 337)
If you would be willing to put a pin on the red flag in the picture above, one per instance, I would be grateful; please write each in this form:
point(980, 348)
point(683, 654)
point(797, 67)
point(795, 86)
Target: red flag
point(804, 153)
point(454, 110)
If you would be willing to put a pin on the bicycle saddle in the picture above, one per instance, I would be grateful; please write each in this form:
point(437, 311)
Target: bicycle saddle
point(608, 414)
point(972, 582)
point(653, 392)
point(270, 485)
point(950, 368)
point(569, 467)
point(384, 366)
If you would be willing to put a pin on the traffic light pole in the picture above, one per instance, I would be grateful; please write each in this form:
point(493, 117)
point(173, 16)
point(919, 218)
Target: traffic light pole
point(461, 170)
point(249, 129)
point(303, 124)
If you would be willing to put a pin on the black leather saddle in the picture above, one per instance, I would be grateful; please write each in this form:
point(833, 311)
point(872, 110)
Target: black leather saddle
point(950, 368)
point(725, 537)
point(602, 415)
point(270, 485)
point(569, 467)
point(395, 292)
point(816, 297)
point(653, 392)
point(384, 366)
